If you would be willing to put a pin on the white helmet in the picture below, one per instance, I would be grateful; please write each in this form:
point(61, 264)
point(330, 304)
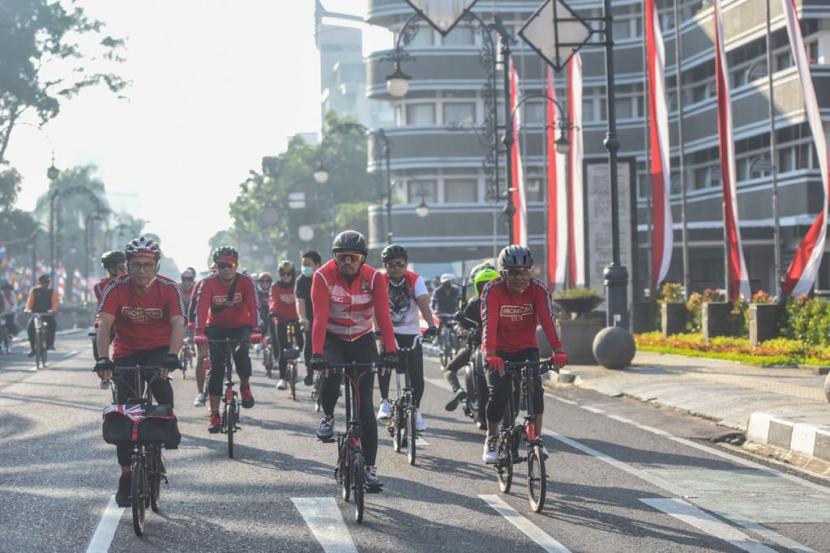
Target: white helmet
point(447, 277)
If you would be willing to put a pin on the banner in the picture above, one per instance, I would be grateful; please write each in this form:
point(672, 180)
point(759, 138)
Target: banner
point(557, 216)
point(518, 192)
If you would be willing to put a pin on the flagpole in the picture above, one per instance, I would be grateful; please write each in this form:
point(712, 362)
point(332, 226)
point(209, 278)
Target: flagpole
point(678, 56)
point(647, 129)
point(773, 146)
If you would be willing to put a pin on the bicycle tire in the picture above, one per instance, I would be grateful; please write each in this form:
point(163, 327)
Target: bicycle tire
point(292, 379)
point(137, 497)
point(155, 471)
point(504, 466)
point(268, 361)
point(358, 475)
point(536, 479)
point(230, 425)
point(397, 436)
point(411, 432)
point(345, 469)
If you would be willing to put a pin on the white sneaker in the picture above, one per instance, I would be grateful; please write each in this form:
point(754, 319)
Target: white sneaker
point(199, 401)
point(385, 410)
point(281, 384)
point(490, 455)
point(420, 425)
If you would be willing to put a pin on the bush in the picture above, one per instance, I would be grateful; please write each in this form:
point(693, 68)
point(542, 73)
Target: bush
point(671, 292)
point(807, 319)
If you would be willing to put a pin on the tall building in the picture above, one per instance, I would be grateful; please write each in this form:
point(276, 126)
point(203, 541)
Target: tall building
point(437, 155)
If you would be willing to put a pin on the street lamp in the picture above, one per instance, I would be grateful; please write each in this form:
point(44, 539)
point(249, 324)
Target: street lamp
point(423, 209)
point(321, 175)
point(397, 84)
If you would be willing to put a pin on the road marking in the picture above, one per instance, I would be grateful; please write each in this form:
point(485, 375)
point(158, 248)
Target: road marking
point(107, 526)
point(693, 516)
point(532, 531)
point(326, 523)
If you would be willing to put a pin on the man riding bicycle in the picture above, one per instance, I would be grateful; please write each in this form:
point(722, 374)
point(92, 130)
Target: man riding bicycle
point(311, 261)
point(145, 312)
point(283, 307)
point(348, 297)
point(511, 308)
point(408, 297)
point(446, 300)
point(202, 360)
point(114, 262)
point(44, 300)
point(226, 308)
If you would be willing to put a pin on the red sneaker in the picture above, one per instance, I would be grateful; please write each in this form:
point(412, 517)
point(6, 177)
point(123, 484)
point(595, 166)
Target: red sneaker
point(247, 398)
point(215, 424)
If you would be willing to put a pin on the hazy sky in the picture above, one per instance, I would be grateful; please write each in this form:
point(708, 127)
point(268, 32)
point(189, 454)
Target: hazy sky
point(217, 84)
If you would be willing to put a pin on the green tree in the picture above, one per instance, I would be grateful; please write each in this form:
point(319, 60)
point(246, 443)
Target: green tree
point(17, 228)
point(43, 62)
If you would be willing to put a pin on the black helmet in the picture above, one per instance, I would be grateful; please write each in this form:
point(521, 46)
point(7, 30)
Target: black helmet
point(112, 258)
point(224, 251)
point(350, 241)
point(143, 246)
point(393, 251)
point(514, 256)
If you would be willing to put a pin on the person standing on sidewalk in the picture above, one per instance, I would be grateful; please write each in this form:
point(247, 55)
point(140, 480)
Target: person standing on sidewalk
point(310, 262)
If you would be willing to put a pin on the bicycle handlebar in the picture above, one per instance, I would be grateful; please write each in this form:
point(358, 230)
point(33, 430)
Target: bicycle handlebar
point(354, 365)
point(544, 366)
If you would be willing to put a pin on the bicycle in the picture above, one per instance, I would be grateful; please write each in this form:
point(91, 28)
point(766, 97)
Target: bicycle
point(230, 397)
point(291, 355)
point(316, 392)
point(40, 348)
point(187, 355)
point(350, 472)
point(476, 387)
point(447, 345)
point(402, 422)
point(511, 434)
point(267, 356)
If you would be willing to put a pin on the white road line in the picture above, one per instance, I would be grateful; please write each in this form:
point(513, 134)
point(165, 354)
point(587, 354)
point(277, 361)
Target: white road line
point(326, 523)
point(532, 531)
point(693, 516)
point(105, 531)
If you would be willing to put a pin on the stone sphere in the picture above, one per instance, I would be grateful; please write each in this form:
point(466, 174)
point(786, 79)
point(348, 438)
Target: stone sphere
point(614, 348)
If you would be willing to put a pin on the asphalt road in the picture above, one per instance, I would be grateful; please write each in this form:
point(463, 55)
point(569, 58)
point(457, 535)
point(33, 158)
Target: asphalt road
point(622, 477)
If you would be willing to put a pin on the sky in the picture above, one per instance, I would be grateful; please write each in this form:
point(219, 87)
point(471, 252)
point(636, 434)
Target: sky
point(216, 85)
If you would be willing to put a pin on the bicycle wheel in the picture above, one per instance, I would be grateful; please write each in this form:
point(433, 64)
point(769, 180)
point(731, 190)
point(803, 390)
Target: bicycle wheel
point(155, 470)
point(137, 497)
point(268, 361)
point(504, 466)
point(292, 379)
point(358, 483)
point(397, 435)
point(410, 431)
point(344, 467)
point(230, 423)
point(536, 478)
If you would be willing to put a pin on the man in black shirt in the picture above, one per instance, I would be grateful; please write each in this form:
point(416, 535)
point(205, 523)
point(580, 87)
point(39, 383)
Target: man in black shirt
point(311, 261)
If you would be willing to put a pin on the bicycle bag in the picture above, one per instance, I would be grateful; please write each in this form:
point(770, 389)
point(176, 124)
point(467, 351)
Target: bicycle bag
point(216, 309)
point(125, 424)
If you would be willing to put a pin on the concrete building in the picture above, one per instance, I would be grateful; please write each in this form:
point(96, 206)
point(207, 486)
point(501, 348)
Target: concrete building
point(438, 158)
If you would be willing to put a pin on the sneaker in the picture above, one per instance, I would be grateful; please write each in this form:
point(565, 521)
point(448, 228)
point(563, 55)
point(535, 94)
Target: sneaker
point(481, 425)
point(326, 430)
point(490, 455)
point(215, 424)
point(122, 496)
point(458, 396)
point(282, 384)
point(308, 380)
point(385, 410)
point(200, 400)
point(31, 353)
point(372, 480)
point(247, 398)
point(420, 425)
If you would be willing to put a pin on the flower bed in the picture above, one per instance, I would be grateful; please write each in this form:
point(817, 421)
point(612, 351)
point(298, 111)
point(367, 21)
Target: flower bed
point(781, 351)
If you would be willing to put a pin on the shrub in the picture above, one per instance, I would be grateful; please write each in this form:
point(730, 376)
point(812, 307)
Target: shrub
point(671, 292)
point(761, 297)
point(807, 319)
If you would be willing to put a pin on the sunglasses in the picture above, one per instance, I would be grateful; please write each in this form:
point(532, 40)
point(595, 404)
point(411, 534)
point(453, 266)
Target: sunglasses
point(349, 257)
point(141, 266)
point(518, 272)
point(396, 264)
point(286, 273)
point(225, 266)
point(187, 279)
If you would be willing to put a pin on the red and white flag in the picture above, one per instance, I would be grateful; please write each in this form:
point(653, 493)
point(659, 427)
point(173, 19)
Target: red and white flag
point(517, 172)
point(557, 216)
point(576, 227)
point(662, 238)
point(738, 278)
point(802, 272)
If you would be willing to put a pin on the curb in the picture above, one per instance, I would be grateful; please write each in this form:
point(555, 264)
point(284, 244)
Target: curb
point(803, 438)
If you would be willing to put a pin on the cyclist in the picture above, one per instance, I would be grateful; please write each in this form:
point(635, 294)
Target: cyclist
point(226, 308)
point(187, 281)
point(408, 298)
point(146, 312)
point(511, 308)
point(283, 308)
point(446, 299)
point(263, 291)
point(348, 295)
point(42, 299)
point(311, 261)
point(114, 262)
point(202, 359)
point(9, 312)
point(470, 319)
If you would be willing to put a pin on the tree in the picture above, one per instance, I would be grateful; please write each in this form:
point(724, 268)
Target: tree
point(17, 228)
point(43, 62)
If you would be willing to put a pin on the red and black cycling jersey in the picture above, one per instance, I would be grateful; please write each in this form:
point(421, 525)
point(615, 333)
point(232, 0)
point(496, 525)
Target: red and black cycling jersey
point(100, 286)
point(211, 309)
point(348, 308)
point(509, 320)
point(283, 303)
point(142, 321)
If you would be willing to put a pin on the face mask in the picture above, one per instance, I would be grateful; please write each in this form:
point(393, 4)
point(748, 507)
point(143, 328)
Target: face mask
point(308, 271)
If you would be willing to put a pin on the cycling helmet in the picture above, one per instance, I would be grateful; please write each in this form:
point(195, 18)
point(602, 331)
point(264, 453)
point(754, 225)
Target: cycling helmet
point(393, 251)
point(112, 258)
point(286, 266)
point(225, 253)
point(515, 256)
point(190, 272)
point(350, 241)
point(142, 246)
point(481, 267)
point(265, 276)
point(483, 277)
point(447, 277)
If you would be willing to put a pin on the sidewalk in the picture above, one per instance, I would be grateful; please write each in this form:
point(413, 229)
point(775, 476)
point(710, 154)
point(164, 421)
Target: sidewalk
point(785, 408)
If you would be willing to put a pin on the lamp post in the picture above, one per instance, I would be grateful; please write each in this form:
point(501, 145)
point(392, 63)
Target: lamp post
point(87, 247)
point(52, 174)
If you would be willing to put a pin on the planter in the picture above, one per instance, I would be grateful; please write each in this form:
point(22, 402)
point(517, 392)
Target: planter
point(579, 306)
point(763, 322)
point(672, 318)
point(645, 317)
point(578, 339)
point(715, 320)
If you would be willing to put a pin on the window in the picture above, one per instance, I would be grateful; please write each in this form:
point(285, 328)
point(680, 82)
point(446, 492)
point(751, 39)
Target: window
point(460, 36)
point(786, 160)
point(460, 191)
point(459, 113)
point(421, 189)
point(420, 114)
point(534, 188)
point(424, 37)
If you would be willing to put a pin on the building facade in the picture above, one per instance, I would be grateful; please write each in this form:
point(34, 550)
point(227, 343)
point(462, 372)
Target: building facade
point(437, 155)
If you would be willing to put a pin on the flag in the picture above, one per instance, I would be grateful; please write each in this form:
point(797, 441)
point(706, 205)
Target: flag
point(576, 228)
point(557, 216)
point(517, 174)
point(662, 238)
point(802, 272)
point(738, 278)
